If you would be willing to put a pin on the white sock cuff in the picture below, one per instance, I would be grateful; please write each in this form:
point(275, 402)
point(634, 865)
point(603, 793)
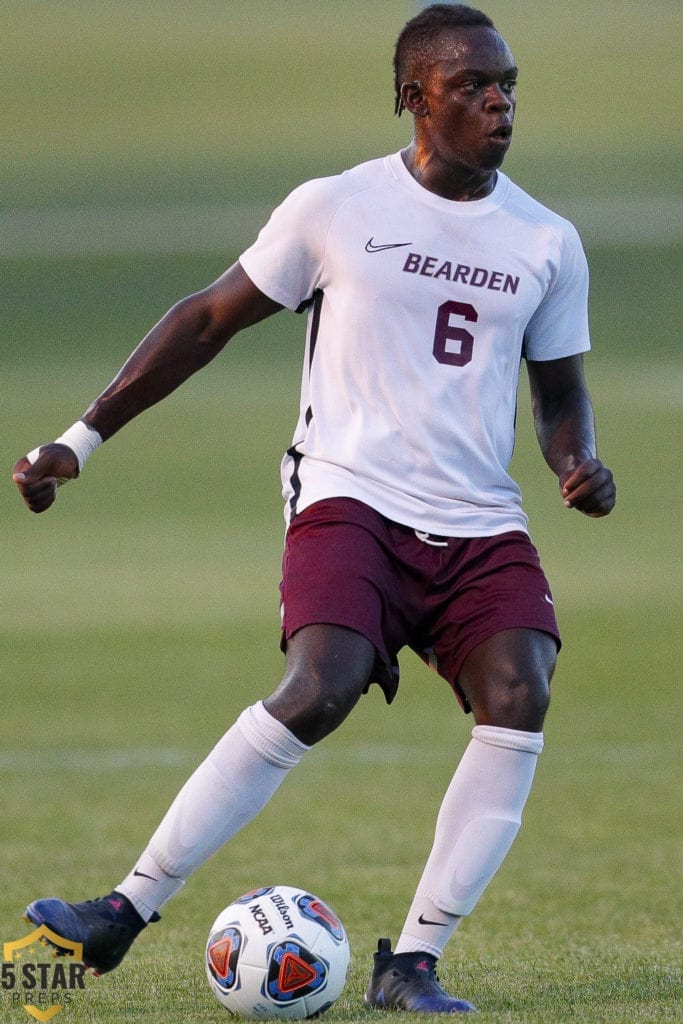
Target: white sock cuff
point(512, 739)
point(270, 738)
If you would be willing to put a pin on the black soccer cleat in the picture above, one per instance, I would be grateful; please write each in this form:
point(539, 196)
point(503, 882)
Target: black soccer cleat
point(106, 927)
point(408, 981)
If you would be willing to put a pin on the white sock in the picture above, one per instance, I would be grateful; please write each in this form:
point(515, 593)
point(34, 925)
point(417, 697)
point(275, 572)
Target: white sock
point(225, 793)
point(476, 826)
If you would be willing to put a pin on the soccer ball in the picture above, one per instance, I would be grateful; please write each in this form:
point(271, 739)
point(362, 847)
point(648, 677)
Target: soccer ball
point(277, 953)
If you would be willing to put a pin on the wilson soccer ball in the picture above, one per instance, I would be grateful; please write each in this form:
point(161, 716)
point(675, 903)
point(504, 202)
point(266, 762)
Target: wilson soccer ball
point(277, 952)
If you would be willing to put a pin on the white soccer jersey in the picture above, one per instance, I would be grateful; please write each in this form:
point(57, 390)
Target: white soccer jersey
point(419, 312)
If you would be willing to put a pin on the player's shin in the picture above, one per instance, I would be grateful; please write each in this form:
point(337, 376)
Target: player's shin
point(477, 823)
point(225, 793)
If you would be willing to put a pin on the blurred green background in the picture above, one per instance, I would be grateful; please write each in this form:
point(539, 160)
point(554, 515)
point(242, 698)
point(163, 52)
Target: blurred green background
point(145, 144)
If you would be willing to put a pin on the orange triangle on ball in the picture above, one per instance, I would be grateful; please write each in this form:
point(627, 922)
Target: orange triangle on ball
point(219, 955)
point(294, 973)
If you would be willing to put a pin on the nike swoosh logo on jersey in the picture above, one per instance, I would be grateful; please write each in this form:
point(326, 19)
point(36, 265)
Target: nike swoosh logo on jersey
point(549, 599)
point(371, 247)
point(141, 874)
point(423, 920)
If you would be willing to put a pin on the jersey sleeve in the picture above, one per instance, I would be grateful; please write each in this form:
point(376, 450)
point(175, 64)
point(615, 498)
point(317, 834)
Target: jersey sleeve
point(559, 326)
point(285, 262)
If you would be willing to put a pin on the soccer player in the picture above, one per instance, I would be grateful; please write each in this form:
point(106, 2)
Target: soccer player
point(427, 276)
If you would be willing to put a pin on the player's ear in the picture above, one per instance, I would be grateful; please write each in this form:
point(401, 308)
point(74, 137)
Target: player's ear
point(413, 99)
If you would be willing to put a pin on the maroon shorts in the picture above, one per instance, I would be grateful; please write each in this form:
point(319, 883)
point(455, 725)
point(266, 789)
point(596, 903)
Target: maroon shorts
point(346, 565)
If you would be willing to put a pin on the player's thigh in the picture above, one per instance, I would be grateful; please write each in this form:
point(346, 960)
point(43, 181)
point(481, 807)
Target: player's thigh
point(339, 569)
point(506, 678)
point(498, 601)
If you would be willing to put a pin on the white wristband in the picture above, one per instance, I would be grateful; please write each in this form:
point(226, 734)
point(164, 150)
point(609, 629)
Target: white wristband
point(82, 440)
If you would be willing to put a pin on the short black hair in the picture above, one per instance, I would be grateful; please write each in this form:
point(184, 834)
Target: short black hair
point(413, 44)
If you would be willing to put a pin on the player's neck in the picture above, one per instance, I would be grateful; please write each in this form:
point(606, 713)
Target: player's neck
point(457, 183)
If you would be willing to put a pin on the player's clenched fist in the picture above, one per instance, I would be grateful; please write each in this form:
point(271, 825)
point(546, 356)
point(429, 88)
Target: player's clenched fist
point(590, 489)
point(39, 474)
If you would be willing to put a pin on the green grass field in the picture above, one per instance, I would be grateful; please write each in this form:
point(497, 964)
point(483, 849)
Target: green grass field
point(140, 614)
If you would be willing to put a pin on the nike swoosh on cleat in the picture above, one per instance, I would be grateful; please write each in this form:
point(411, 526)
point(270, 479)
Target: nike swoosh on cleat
point(423, 920)
point(371, 247)
point(141, 874)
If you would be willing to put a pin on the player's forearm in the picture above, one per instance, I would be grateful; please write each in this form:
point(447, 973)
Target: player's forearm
point(183, 341)
point(565, 428)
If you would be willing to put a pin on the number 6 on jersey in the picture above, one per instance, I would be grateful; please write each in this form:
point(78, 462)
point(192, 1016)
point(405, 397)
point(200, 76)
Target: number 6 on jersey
point(445, 332)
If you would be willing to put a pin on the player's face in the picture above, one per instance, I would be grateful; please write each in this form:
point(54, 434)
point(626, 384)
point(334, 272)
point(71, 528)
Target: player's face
point(468, 92)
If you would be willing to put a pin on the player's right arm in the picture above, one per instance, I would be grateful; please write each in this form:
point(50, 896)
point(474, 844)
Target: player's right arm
point(188, 337)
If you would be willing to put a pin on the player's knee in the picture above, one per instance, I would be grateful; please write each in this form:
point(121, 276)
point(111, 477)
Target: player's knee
point(312, 720)
point(310, 707)
point(329, 714)
point(507, 679)
point(515, 701)
point(526, 696)
point(328, 668)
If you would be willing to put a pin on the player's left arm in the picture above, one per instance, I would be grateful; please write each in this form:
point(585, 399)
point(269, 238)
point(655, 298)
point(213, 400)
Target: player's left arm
point(565, 428)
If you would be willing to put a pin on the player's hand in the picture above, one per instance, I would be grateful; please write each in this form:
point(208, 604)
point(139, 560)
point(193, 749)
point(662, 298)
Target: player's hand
point(37, 483)
point(589, 488)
